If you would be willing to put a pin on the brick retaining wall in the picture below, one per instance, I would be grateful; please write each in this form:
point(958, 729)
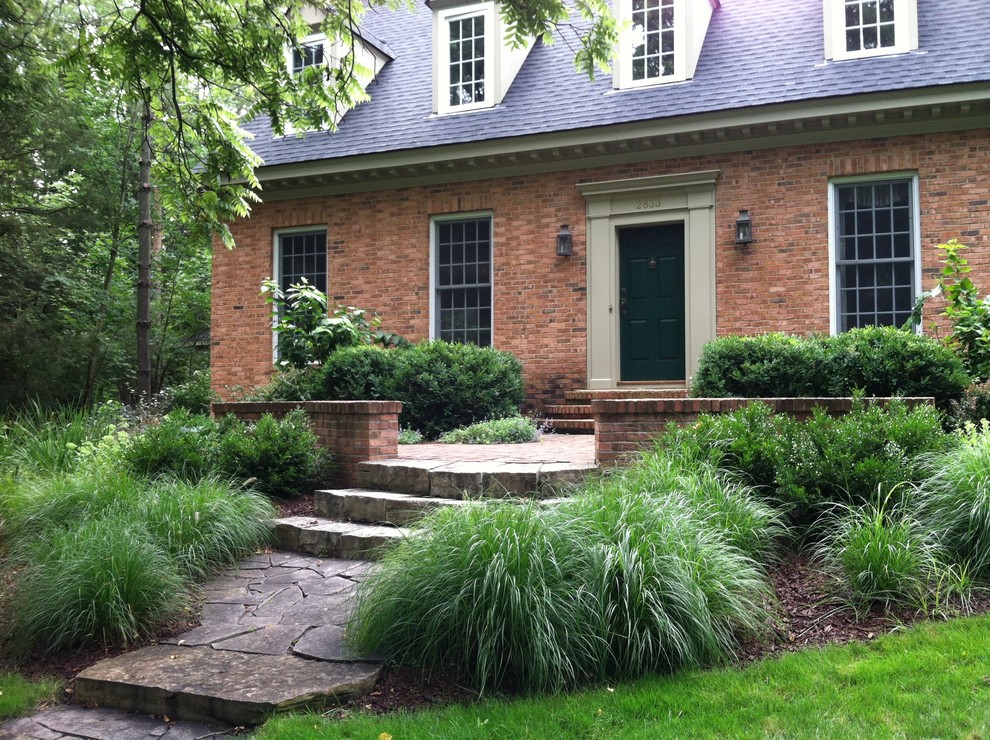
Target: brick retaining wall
point(354, 431)
point(623, 427)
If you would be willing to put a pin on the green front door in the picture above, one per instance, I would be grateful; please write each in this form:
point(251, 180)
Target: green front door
point(651, 302)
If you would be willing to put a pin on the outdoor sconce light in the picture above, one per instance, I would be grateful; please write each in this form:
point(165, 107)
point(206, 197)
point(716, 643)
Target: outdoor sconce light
point(565, 242)
point(744, 229)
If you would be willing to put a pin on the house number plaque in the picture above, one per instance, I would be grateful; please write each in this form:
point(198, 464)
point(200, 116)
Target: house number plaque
point(648, 204)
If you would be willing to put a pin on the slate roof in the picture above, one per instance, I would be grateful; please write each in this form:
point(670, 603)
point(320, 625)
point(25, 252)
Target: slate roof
point(757, 53)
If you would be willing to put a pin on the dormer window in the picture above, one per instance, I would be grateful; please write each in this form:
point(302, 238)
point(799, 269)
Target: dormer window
point(309, 54)
point(662, 40)
point(467, 59)
point(862, 28)
point(653, 24)
point(473, 63)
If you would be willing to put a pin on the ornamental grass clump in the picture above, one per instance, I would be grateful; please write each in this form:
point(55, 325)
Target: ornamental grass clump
point(511, 430)
point(617, 582)
point(105, 580)
point(487, 592)
point(668, 590)
point(880, 554)
point(955, 500)
point(206, 525)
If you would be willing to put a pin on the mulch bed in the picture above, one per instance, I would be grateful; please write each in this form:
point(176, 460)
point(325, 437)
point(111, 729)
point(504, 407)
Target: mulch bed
point(806, 617)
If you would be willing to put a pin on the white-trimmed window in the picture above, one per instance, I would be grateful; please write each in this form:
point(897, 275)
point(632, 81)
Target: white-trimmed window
point(299, 254)
point(875, 251)
point(661, 41)
point(862, 28)
point(313, 52)
point(462, 279)
point(465, 61)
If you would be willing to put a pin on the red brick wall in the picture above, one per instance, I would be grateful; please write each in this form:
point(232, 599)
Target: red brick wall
point(378, 247)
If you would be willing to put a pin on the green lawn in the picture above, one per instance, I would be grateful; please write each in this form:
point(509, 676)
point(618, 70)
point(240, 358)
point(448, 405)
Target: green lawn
point(931, 680)
point(18, 697)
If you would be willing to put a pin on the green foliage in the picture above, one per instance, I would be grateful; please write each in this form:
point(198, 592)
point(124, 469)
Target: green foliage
point(291, 384)
point(180, 444)
point(879, 555)
point(207, 525)
point(880, 361)
point(955, 500)
point(510, 430)
point(620, 581)
point(968, 313)
point(193, 394)
point(47, 441)
point(442, 386)
point(103, 580)
point(973, 407)
point(307, 334)
point(808, 466)
point(409, 436)
point(360, 373)
point(765, 366)
point(280, 456)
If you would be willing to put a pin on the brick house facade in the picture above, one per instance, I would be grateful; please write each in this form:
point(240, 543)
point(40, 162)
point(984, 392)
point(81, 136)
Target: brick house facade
point(786, 166)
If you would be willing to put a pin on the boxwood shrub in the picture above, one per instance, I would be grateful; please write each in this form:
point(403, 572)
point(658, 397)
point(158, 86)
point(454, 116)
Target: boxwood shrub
point(880, 361)
point(442, 385)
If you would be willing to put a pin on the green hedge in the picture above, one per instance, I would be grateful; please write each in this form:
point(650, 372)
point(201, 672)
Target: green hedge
point(442, 386)
point(881, 361)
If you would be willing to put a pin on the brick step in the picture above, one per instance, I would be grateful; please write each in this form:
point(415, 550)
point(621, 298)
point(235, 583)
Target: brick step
point(572, 426)
point(459, 480)
point(630, 392)
point(378, 507)
point(568, 411)
point(333, 539)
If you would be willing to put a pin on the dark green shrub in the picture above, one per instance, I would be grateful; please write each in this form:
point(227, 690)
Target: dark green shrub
point(885, 361)
point(807, 466)
point(880, 361)
point(764, 366)
point(279, 456)
point(291, 384)
point(180, 444)
point(973, 407)
point(442, 386)
point(360, 373)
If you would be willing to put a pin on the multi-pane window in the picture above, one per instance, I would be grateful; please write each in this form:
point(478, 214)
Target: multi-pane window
point(307, 55)
point(869, 25)
point(464, 281)
point(302, 255)
point(653, 21)
point(875, 253)
point(467, 60)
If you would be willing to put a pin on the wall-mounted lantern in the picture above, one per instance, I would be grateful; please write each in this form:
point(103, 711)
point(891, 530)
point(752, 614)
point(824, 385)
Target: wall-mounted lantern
point(565, 241)
point(744, 229)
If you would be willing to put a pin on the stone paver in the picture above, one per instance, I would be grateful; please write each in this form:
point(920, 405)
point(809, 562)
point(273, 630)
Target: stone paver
point(551, 448)
point(272, 638)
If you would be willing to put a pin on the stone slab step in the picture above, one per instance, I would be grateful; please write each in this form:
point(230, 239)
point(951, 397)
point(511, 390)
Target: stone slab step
point(378, 507)
point(205, 685)
point(630, 392)
point(459, 480)
point(333, 539)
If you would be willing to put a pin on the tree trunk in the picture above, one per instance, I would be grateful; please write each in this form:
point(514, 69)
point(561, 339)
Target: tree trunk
point(145, 236)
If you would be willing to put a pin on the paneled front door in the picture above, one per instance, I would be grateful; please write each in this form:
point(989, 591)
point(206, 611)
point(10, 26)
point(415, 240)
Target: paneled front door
point(651, 302)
